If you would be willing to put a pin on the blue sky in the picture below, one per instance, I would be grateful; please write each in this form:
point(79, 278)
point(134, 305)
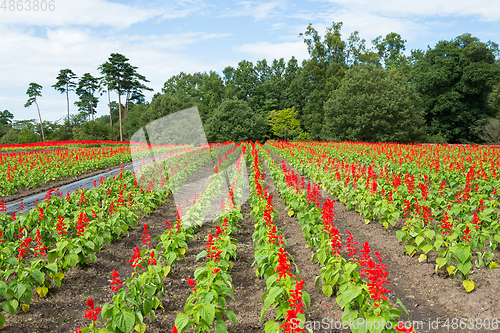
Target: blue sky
point(163, 38)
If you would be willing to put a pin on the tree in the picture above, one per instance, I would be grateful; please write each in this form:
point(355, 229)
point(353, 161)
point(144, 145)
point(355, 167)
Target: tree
point(119, 76)
point(87, 87)
point(454, 79)
point(374, 105)
point(284, 123)
point(234, 120)
point(491, 132)
point(34, 91)
point(65, 83)
point(6, 117)
point(390, 51)
point(321, 74)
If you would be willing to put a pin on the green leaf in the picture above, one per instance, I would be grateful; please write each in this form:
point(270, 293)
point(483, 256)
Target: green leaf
point(8, 308)
point(220, 327)
point(39, 276)
point(464, 267)
point(440, 261)
point(231, 316)
point(327, 290)
point(272, 327)
point(427, 248)
point(207, 312)
point(147, 306)
point(71, 259)
point(347, 296)
point(124, 320)
point(398, 302)
point(493, 265)
point(463, 254)
point(271, 297)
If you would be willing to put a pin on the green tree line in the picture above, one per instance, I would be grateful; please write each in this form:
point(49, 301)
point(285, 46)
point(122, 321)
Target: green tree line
point(345, 90)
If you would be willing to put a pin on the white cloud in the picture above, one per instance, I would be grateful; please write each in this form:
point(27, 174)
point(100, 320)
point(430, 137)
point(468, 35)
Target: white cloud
point(95, 13)
point(259, 11)
point(487, 10)
point(272, 51)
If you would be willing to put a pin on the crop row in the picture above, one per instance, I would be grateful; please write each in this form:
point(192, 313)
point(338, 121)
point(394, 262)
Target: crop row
point(446, 197)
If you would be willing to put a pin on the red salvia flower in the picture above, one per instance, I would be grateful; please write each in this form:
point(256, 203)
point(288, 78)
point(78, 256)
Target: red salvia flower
point(401, 328)
point(152, 260)
point(351, 250)
point(92, 313)
point(41, 215)
point(81, 224)
point(136, 259)
point(23, 248)
point(2, 206)
point(174, 330)
point(215, 271)
point(116, 283)
point(146, 240)
point(283, 265)
point(21, 207)
point(192, 283)
point(40, 248)
point(61, 226)
point(467, 235)
point(446, 224)
point(476, 221)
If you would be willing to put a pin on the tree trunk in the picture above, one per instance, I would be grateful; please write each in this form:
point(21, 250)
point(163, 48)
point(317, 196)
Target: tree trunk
point(126, 105)
point(40, 116)
point(91, 108)
point(120, 113)
point(110, 119)
point(67, 100)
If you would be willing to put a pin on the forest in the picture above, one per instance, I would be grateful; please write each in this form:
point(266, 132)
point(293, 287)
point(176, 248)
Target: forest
point(346, 90)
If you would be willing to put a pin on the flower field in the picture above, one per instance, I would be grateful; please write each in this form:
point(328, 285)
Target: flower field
point(372, 237)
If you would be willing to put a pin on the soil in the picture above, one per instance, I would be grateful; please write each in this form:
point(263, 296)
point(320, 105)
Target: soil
point(424, 293)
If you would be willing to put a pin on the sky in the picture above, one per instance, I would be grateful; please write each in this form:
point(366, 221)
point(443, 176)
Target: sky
point(163, 38)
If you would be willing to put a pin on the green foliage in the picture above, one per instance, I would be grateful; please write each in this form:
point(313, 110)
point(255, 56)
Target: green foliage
point(454, 79)
point(28, 135)
point(92, 130)
point(234, 120)
point(284, 123)
point(390, 51)
point(34, 91)
point(374, 105)
point(6, 117)
point(10, 137)
point(491, 132)
point(87, 87)
point(436, 138)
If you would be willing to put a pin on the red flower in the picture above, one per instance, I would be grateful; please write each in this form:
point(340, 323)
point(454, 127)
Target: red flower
point(40, 248)
point(152, 260)
point(174, 330)
point(116, 283)
point(351, 250)
point(78, 330)
point(191, 283)
point(283, 265)
point(446, 224)
point(466, 234)
point(136, 259)
point(61, 226)
point(146, 239)
point(23, 248)
point(217, 270)
point(92, 313)
point(1, 235)
point(81, 224)
point(401, 328)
